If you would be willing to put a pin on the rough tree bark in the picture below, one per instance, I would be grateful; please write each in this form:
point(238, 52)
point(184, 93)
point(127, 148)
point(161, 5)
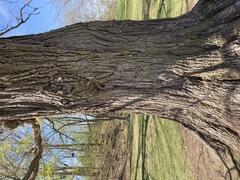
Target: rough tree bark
point(185, 69)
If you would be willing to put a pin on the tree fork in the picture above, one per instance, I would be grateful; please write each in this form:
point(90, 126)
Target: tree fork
point(186, 69)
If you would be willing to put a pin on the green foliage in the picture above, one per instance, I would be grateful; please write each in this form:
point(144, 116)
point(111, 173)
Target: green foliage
point(15, 152)
point(47, 172)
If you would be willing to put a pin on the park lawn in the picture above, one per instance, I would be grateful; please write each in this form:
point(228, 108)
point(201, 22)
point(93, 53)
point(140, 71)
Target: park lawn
point(157, 150)
point(133, 9)
point(156, 146)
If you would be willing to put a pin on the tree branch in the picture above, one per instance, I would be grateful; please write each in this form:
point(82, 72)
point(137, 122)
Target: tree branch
point(20, 19)
point(216, 8)
point(34, 166)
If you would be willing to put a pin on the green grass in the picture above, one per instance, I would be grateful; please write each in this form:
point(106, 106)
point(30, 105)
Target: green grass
point(134, 9)
point(155, 145)
point(157, 150)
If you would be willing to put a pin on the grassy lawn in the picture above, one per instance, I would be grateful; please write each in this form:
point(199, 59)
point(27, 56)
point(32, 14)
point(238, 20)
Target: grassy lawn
point(135, 9)
point(157, 150)
point(156, 145)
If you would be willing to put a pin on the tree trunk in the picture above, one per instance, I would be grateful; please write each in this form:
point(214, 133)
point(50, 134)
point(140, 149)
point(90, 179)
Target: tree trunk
point(185, 69)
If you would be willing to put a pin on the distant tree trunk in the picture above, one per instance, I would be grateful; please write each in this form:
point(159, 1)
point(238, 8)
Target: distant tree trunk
point(185, 69)
point(146, 9)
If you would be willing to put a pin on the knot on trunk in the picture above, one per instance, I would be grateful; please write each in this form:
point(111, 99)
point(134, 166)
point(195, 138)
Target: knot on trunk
point(75, 86)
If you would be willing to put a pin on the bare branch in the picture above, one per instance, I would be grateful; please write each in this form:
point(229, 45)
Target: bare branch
point(57, 130)
point(20, 19)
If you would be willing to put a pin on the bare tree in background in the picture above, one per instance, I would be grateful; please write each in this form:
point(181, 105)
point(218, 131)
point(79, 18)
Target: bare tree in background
point(52, 147)
point(19, 17)
point(84, 10)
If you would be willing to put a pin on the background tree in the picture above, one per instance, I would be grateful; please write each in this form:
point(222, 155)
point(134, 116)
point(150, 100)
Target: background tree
point(19, 15)
point(62, 150)
point(84, 11)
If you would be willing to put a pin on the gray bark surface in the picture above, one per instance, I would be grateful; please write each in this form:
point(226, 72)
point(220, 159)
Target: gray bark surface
point(186, 69)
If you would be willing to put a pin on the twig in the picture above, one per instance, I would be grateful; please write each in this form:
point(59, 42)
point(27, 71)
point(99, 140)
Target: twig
point(21, 19)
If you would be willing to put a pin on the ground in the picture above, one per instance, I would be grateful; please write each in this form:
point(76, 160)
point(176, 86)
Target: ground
point(115, 161)
point(184, 158)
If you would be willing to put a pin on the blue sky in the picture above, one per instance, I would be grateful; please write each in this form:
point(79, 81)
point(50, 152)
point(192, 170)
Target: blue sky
point(46, 20)
point(51, 14)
